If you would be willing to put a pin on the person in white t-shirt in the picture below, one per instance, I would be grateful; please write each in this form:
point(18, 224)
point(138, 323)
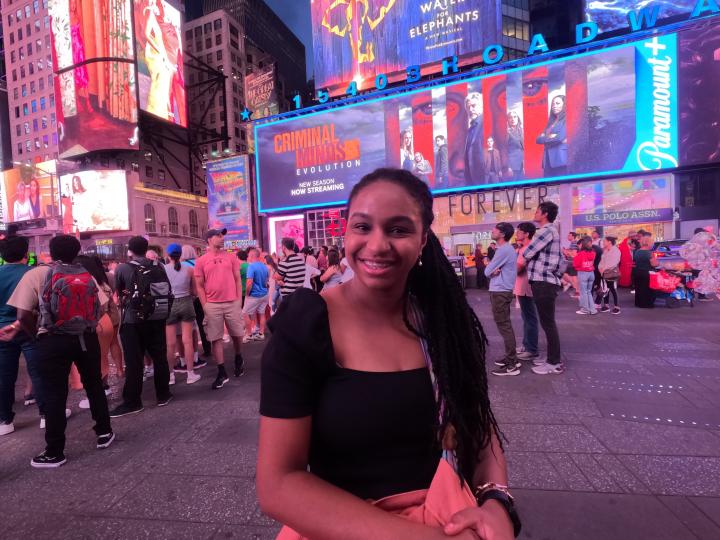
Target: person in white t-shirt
point(22, 209)
point(347, 272)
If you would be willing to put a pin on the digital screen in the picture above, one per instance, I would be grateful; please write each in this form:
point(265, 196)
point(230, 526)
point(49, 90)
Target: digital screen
point(28, 192)
point(260, 93)
point(158, 31)
point(96, 100)
point(605, 112)
point(699, 57)
point(613, 14)
point(625, 201)
point(94, 201)
point(229, 199)
point(286, 227)
point(357, 40)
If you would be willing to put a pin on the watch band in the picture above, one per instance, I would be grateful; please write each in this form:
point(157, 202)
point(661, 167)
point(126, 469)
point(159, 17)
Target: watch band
point(507, 502)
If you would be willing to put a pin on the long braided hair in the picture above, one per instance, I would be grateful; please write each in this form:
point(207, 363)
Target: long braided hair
point(455, 338)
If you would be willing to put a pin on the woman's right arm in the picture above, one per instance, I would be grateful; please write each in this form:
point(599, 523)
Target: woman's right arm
point(328, 274)
point(313, 507)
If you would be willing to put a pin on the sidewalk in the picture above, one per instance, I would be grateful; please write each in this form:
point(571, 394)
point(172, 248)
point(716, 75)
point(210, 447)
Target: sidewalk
point(625, 444)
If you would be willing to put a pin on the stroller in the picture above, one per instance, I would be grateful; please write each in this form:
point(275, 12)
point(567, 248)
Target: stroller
point(674, 287)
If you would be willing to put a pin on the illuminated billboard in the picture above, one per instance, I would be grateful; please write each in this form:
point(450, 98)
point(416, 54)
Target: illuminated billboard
point(158, 31)
point(230, 199)
point(613, 14)
point(699, 58)
point(286, 227)
point(28, 192)
point(96, 99)
point(260, 93)
point(94, 201)
point(357, 40)
point(605, 112)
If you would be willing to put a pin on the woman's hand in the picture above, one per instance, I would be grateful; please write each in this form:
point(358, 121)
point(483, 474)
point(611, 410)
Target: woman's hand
point(490, 522)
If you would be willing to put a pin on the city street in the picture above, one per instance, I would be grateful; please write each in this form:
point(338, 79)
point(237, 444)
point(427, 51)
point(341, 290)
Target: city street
point(625, 444)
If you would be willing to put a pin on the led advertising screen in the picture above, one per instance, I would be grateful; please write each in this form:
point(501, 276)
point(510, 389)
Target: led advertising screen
point(613, 14)
point(95, 100)
point(355, 40)
point(158, 31)
point(699, 58)
point(286, 227)
point(94, 201)
point(28, 192)
point(229, 199)
point(260, 93)
point(605, 112)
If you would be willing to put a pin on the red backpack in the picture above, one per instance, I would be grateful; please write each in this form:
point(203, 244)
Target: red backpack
point(69, 302)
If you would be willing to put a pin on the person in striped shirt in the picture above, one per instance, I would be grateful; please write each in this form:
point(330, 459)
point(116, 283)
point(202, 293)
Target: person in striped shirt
point(291, 270)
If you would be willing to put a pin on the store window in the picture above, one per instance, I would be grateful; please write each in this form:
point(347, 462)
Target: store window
point(150, 223)
point(173, 220)
point(193, 219)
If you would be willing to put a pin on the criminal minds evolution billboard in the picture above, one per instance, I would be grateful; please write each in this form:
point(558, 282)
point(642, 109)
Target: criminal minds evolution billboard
point(604, 112)
point(353, 40)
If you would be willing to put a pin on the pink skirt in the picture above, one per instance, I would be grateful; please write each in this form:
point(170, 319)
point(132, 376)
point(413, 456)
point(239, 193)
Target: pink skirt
point(433, 507)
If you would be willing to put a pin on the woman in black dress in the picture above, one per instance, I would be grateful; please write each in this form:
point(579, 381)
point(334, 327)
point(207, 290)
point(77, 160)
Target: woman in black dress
point(356, 407)
point(644, 262)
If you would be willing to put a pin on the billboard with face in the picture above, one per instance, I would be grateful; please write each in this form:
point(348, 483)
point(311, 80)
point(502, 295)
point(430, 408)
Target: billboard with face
point(28, 192)
point(95, 100)
point(355, 40)
point(230, 199)
point(158, 33)
point(606, 112)
point(94, 201)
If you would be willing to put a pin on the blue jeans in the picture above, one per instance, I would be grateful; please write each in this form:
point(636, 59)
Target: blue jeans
point(530, 324)
point(9, 362)
point(585, 283)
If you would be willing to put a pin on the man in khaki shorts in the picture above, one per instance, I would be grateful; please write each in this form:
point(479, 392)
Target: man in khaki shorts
point(217, 275)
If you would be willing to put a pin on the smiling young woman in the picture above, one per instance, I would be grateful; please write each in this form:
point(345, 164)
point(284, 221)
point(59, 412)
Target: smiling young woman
point(372, 390)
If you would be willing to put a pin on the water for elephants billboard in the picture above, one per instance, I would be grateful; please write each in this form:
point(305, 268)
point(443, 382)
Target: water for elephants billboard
point(354, 40)
point(605, 112)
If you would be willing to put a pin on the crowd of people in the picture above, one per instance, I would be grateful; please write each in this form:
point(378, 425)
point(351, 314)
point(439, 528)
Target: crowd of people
point(74, 316)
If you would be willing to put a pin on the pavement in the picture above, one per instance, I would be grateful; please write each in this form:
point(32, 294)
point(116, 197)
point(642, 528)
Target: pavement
point(625, 444)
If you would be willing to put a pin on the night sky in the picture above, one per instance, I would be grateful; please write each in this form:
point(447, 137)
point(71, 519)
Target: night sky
point(296, 14)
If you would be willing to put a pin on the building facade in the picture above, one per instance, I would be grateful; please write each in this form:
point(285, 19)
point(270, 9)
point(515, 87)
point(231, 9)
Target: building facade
point(265, 30)
point(30, 88)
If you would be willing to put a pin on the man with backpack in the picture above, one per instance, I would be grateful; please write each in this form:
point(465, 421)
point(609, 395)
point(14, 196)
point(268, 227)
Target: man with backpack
point(68, 301)
point(145, 299)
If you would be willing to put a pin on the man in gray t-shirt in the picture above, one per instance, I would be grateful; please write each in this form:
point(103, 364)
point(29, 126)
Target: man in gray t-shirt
point(502, 271)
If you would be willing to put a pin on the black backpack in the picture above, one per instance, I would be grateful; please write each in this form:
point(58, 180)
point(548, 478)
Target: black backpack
point(149, 295)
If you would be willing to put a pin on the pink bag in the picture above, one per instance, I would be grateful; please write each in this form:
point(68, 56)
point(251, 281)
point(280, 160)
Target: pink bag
point(434, 506)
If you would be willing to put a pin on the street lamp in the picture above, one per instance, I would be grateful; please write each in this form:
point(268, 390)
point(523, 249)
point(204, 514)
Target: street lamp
point(52, 180)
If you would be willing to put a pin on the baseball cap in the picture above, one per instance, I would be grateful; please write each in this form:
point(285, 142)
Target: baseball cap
point(214, 232)
point(174, 249)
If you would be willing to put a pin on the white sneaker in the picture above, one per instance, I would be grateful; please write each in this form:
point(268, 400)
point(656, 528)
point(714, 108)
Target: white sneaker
point(84, 403)
point(226, 338)
point(548, 369)
point(149, 372)
point(539, 360)
point(247, 338)
point(258, 337)
point(193, 377)
point(582, 312)
point(68, 414)
point(172, 378)
point(6, 428)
